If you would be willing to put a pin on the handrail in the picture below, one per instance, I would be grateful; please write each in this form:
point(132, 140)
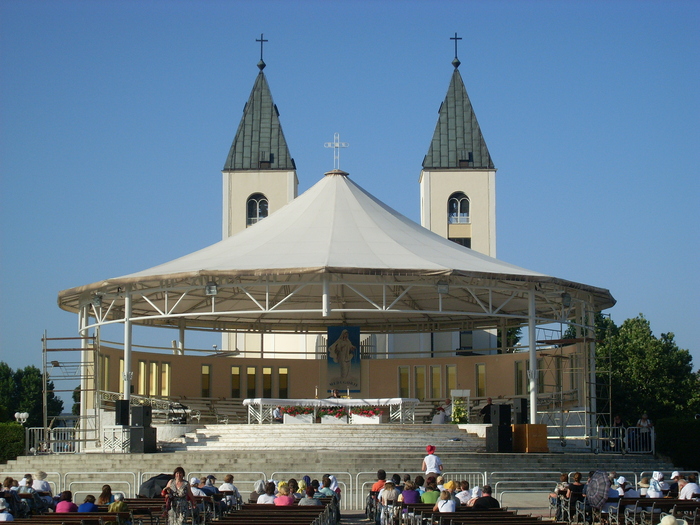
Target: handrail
point(111, 473)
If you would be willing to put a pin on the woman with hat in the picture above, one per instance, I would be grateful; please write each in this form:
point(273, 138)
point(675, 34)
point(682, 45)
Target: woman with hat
point(432, 466)
point(5, 511)
point(43, 487)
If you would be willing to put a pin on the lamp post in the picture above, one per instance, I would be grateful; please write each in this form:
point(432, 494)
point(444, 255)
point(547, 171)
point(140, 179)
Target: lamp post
point(21, 418)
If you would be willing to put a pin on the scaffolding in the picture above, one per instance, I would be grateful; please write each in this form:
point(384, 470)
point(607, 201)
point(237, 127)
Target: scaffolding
point(68, 360)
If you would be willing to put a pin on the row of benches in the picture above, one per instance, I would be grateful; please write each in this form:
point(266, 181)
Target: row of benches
point(633, 511)
point(421, 513)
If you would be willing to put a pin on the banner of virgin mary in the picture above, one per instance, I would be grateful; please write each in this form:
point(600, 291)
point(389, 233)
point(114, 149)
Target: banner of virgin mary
point(343, 358)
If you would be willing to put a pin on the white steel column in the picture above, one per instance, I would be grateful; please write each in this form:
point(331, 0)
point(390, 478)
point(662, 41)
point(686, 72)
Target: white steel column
point(590, 335)
point(326, 306)
point(532, 329)
point(128, 374)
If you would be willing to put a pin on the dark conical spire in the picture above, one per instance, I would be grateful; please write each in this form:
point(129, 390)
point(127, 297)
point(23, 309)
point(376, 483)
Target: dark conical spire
point(259, 141)
point(457, 141)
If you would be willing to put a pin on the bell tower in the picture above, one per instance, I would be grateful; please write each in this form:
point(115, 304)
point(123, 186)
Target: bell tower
point(259, 175)
point(458, 179)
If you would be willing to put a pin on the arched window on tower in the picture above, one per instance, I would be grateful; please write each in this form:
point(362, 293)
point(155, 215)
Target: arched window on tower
point(256, 208)
point(458, 208)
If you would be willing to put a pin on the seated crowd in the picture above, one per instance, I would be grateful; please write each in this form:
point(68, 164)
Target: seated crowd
point(567, 496)
point(443, 496)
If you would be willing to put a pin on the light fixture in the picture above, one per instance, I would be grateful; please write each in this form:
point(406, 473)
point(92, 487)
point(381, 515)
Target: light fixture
point(443, 287)
point(21, 417)
point(97, 300)
point(211, 288)
point(566, 299)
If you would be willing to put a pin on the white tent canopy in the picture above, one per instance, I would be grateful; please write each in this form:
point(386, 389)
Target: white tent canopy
point(338, 256)
point(335, 255)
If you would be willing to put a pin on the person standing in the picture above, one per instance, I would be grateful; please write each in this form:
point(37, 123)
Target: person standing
point(485, 412)
point(432, 466)
point(645, 425)
point(179, 494)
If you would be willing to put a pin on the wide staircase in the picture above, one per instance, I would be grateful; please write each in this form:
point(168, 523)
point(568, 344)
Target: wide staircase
point(352, 452)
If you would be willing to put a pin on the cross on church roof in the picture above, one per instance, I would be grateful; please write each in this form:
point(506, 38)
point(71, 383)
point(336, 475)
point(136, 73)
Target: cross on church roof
point(262, 64)
point(336, 145)
point(456, 61)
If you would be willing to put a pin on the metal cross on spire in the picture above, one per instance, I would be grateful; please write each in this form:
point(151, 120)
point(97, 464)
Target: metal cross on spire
point(456, 61)
point(262, 64)
point(336, 145)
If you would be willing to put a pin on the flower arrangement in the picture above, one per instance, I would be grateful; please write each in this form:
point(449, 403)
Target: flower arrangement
point(297, 411)
point(460, 414)
point(366, 411)
point(336, 412)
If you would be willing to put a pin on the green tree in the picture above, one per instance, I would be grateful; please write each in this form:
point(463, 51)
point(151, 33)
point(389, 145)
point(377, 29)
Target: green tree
point(7, 393)
point(647, 374)
point(21, 391)
point(76, 401)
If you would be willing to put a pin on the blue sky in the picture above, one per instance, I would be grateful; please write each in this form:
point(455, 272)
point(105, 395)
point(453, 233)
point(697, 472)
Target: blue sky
point(116, 118)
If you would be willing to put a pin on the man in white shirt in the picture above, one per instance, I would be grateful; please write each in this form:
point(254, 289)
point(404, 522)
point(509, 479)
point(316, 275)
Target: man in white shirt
point(688, 488)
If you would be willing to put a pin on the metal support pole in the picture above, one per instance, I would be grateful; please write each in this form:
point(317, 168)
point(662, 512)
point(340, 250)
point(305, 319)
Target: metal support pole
point(532, 329)
point(326, 306)
point(127, 345)
point(590, 334)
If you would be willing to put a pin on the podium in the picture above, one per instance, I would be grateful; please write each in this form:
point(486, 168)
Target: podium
point(530, 438)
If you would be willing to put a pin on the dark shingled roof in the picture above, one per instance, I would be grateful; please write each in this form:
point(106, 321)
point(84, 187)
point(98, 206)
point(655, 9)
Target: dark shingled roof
point(457, 141)
point(259, 141)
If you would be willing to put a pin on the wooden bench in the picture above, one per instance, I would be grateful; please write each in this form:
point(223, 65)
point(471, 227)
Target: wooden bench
point(77, 518)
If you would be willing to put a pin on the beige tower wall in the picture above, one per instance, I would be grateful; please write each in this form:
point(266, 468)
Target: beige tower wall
point(480, 186)
point(280, 188)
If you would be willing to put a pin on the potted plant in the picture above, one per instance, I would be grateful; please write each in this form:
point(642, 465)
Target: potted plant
point(333, 415)
point(365, 415)
point(298, 414)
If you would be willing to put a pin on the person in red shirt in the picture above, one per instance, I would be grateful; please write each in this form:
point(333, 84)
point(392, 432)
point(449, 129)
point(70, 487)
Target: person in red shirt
point(381, 480)
point(65, 504)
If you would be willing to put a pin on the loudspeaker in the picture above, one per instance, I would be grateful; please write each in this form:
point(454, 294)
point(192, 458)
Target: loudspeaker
point(520, 407)
point(499, 439)
point(500, 415)
point(143, 440)
point(121, 414)
point(141, 416)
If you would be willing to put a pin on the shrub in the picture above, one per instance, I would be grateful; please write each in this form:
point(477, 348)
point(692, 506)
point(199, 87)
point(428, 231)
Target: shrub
point(678, 439)
point(12, 439)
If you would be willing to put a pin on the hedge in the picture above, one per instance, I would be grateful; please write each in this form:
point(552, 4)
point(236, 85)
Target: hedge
point(679, 439)
point(12, 439)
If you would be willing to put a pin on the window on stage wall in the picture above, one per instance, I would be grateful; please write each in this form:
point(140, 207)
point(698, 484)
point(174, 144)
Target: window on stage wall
point(451, 377)
point(466, 340)
point(404, 387)
point(256, 208)
point(143, 378)
point(435, 382)
point(236, 381)
point(267, 381)
point(250, 380)
point(165, 379)
point(419, 373)
point(104, 372)
point(480, 380)
point(153, 379)
point(206, 380)
point(458, 208)
point(121, 376)
point(283, 375)
point(540, 376)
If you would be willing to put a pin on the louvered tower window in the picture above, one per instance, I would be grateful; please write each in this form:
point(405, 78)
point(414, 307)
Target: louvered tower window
point(256, 208)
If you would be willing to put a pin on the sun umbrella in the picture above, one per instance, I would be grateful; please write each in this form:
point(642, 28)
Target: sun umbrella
point(597, 489)
point(152, 487)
